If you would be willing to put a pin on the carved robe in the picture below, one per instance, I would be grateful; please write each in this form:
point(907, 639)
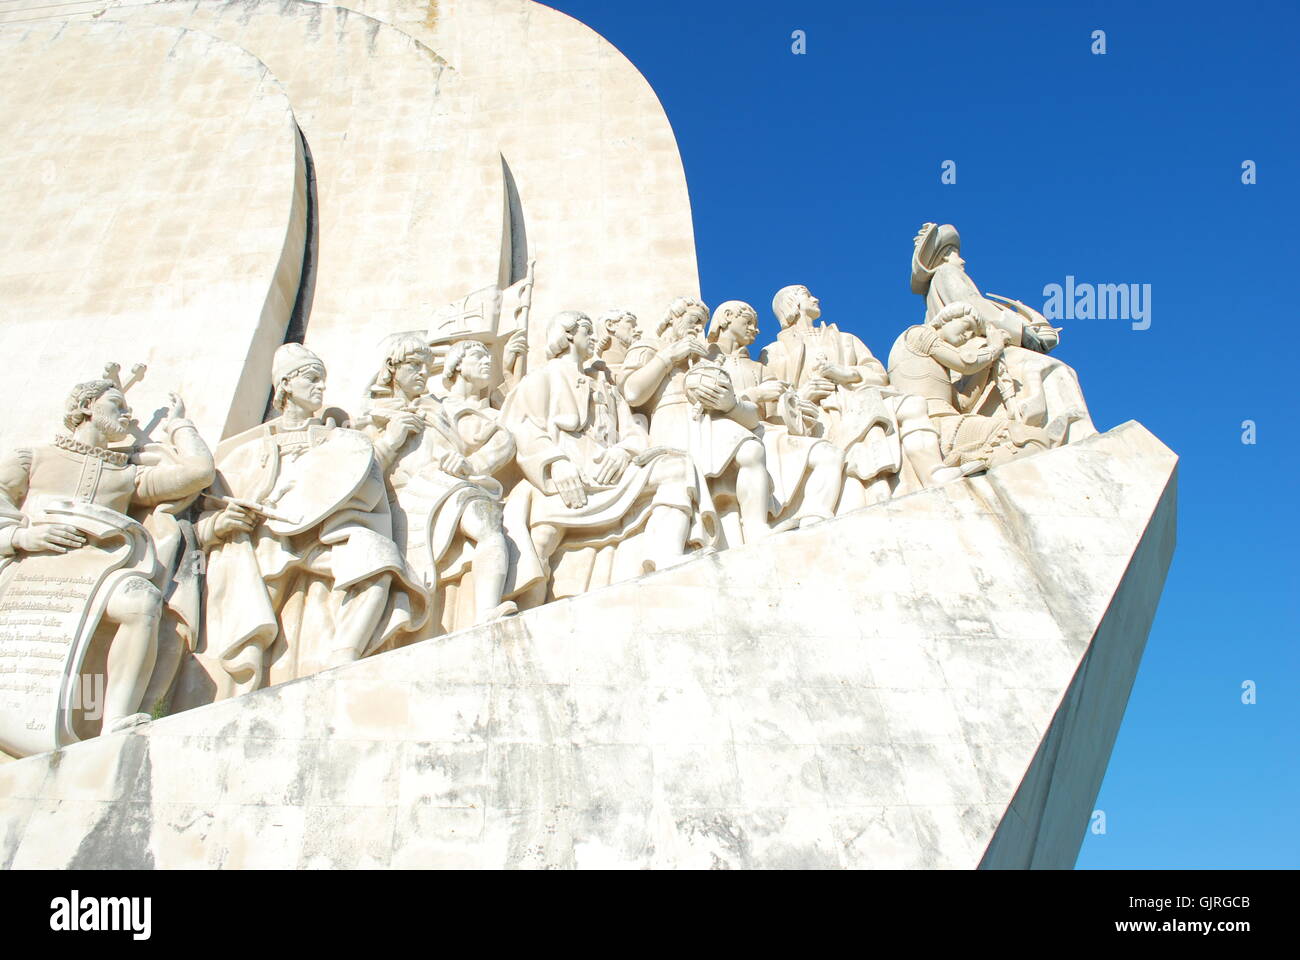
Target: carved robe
point(859, 418)
point(561, 411)
point(711, 438)
point(288, 590)
point(428, 503)
point(787, 454)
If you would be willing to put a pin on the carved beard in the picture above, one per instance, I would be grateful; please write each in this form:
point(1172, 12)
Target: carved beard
point(109, 427)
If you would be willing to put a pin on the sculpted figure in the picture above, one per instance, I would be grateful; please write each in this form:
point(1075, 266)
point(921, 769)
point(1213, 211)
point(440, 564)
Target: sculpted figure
point(923, 361)
point(1046, 391)
point(514, 360)
point(617, 332)
point(890, 446)
point(441, 472)
point(303, 573)
point(591, 478)
point(66, 539)
point(807, 471)
point(692, 406)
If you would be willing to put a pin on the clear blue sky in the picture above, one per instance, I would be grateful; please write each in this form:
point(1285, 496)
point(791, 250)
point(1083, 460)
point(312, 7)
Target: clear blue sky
point(1122, 168)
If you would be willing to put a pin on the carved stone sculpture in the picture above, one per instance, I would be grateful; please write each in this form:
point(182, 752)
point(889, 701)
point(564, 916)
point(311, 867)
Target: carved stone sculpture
point(889, 444)
point(591, 477)
point(303, 573)
point(691, 406)
point(922, 362)
point(617, 331)
point(73, 562)
point(1038, 390)
point(807, 471)
point(440, 458)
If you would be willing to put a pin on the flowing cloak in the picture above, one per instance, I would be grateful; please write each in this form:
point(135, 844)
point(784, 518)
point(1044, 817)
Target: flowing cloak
point(561, 411)
point(787, 455)
point(711, 438)
point(857, 418)
point(427, 501)
point(261, 588)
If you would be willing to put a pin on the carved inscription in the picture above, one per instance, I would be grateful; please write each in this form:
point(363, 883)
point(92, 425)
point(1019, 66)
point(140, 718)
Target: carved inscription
point(40, 614)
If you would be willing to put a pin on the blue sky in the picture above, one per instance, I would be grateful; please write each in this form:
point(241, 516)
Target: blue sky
point(1117, 168)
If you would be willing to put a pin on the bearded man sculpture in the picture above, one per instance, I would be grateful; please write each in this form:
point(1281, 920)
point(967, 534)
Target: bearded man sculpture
point(67, 543)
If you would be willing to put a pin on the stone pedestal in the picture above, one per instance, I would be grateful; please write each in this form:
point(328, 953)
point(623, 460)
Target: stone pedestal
point(936, 681)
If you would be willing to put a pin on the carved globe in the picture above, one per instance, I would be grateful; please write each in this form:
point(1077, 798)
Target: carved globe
point(700, 374)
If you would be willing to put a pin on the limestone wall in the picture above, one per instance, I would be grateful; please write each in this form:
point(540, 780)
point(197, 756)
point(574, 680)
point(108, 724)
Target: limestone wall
point(155, 207)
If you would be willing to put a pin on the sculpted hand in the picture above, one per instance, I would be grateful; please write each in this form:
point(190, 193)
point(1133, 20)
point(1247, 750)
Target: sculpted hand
point(53, 537)
point(718, 396)
point(686, 347)
point(808, 412)
point(177, 409)
point(516, 346)
point(233, 521)
point(569, 484)
point(453, 463)
point(840, 374)
point(612, 465)
point(768, 391)
point(818, 388)
point(400, 426)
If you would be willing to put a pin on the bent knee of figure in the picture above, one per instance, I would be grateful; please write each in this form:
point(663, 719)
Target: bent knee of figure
point(546, 539)
point(751, 453)
point(481, 519)
point(136, 600)
point(912, 410)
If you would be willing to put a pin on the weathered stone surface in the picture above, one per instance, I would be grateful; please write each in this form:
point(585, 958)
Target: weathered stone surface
point(408, 118)
point(409, 202)
point(931, 699)
point(575, 120)
point(154, 191)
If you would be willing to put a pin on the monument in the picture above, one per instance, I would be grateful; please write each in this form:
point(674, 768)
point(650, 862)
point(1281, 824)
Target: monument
point(554, 591)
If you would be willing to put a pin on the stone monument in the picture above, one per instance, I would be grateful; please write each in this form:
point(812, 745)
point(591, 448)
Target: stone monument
point(553, 592)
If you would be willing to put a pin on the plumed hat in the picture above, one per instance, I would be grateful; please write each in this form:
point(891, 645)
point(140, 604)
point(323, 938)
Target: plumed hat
point(929, 241)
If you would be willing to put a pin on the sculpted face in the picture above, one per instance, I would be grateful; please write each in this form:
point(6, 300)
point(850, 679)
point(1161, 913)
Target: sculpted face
point(958, 332)
point(410, 377)
point(691, 323)
point(110, 415)
point(477, 366)
point(744, 327)
point(306, 388)
point(626, 330)
point(583, 340)
point(809, 305)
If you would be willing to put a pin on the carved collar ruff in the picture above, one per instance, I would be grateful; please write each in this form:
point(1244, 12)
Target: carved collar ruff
point(65, 442)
